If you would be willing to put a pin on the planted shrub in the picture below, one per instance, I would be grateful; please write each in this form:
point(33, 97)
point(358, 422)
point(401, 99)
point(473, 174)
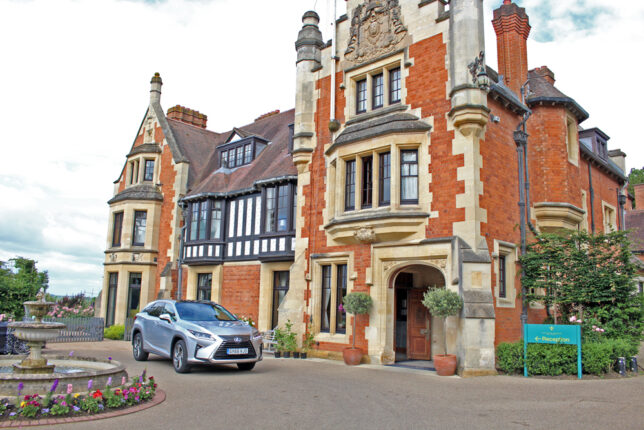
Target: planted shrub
point(114, 332)
point(357, 304)
point(442, 303)
point(509, 357)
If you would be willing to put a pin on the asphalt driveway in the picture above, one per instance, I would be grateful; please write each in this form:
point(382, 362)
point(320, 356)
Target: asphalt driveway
point(316, 394)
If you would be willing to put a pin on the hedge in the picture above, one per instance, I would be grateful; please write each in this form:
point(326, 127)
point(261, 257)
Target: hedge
point(114, 332)
point(553, 360)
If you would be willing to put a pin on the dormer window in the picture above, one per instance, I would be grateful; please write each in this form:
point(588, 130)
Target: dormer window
point(240, 152)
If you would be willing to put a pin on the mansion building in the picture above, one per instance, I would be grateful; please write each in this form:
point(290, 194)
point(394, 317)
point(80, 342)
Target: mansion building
point(407, 163)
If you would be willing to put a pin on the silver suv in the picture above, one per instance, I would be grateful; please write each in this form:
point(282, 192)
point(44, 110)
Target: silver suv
point(193, 332)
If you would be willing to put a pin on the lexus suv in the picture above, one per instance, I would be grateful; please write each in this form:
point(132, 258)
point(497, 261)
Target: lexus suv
point(191, 332)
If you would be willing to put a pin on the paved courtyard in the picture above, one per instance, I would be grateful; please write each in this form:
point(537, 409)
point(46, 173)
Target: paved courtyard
point(316, 394)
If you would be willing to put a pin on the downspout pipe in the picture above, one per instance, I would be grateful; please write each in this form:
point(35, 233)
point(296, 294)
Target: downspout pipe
point(521, 138)
point(334, 125)
point(184, 209)
point(591, 191)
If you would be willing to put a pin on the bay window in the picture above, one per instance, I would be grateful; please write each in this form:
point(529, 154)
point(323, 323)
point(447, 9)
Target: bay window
point(350, 186)
point(215, 220)
point(279, 214)
point(118, 229)
point(148, 174)
point(367, 181)
point(385, 179)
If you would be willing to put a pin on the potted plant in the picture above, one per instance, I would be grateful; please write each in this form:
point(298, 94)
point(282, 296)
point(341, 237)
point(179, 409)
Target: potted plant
point(290, 342)
point(443, 303)
point(355, 304)
point(307, 342)
point(279, 342)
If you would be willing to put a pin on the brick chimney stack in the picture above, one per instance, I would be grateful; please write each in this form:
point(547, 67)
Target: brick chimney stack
point(188, 116)
point(639, 196)
point(545, 72)
point(512, 28)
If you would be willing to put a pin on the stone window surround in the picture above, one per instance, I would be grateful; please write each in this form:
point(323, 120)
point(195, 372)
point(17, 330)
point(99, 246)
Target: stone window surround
point(128, 209)
point(367, 72)
point(509, 250)
point(612, 222)
point(315, 306)
point(584, 206)
point(378, 146)
point(135, 169)
point(572, 139)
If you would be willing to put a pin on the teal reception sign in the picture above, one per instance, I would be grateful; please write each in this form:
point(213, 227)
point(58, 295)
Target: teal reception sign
point(551, 333)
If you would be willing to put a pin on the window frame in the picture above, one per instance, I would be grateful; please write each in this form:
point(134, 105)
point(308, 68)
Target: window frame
point(271, 227)
point(117, 229)
point(276, 289)
point(503, 292)
point(137, 213)
point(409, 201)
point(350, 186)
point(382, 178)
point(366, 186)
point(377, 90)
point(131, 286)
point(204, 283)
point(395, 89)
point(334, 284)
point(361, 95)
point(148, 170)
point(216, 206)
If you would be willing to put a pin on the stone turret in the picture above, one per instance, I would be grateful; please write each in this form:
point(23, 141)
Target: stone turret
point(309, 40)
point(155, 88)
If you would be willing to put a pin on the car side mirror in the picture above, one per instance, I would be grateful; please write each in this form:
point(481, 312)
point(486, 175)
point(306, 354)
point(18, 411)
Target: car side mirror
point(166, 317)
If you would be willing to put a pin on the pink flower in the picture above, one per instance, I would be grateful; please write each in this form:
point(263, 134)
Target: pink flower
point(70, 388)
point(573, 318)
point(123, 380)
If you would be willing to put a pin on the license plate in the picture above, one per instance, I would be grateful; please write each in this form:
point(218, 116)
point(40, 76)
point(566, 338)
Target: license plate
point(237, 351)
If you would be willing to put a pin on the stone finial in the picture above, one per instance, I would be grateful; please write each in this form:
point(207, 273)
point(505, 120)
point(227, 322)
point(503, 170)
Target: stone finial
point(309, 40)
point(155, 88)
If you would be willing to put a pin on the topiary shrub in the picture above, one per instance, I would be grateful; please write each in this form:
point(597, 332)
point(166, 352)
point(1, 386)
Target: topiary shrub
point(114, 332)
point(357, 304)
point(442, 303)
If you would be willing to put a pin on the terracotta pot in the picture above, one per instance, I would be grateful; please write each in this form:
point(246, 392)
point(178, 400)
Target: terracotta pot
point(352, 356)
point(445, 364)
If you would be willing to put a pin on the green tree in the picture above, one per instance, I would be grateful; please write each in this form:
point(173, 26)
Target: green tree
point(20, 281)
point(635, 177)
point(589, 277)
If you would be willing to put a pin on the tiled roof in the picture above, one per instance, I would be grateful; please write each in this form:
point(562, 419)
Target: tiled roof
point(198, 145)
point(543, 91)
point(273, 162)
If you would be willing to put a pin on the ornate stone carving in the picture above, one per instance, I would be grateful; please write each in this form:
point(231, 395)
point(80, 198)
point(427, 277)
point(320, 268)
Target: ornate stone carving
point(365, 234)
point(440, 262)
point(376, 29)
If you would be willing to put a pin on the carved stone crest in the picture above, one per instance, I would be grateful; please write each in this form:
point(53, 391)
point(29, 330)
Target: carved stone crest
point(376, 29)
point(365, 235)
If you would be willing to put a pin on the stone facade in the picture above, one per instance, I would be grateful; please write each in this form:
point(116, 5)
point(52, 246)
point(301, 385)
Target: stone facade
point(404, 165)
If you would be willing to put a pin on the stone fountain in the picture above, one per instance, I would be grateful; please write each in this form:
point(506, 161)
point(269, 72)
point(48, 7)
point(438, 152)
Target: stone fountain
point(36, 333)
point(35, 373)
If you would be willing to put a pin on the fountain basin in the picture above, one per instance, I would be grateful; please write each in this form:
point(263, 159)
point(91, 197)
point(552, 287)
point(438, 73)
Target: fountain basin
point(36, 332)
point(76, 371)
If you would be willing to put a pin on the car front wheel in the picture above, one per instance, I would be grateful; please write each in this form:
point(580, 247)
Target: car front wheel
point(245, 366)
point(137, 348)
point(180, 357)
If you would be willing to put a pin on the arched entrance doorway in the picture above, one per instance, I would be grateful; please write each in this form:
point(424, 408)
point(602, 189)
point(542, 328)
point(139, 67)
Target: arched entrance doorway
point(412, 321)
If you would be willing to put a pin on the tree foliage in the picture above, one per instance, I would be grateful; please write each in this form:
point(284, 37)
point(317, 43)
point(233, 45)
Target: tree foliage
point(636, 176)
point(20, 281)
point(589, 277)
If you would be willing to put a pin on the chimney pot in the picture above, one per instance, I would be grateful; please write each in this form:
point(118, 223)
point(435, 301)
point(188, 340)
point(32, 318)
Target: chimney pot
point(545, 72)
point(155, 88)
point(187, 116)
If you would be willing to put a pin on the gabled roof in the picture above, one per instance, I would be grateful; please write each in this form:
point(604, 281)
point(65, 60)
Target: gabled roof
point(274, 162)
point(237, 132)
point(543, 92)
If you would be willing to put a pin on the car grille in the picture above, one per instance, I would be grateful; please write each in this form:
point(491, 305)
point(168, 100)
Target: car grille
point(229, 342)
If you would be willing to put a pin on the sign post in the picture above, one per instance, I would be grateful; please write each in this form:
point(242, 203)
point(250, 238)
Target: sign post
point(553, 334)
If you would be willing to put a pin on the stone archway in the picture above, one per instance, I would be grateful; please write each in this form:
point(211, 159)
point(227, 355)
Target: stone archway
point(415, 333)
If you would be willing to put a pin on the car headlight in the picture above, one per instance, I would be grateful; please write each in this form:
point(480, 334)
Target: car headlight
point(202, 335)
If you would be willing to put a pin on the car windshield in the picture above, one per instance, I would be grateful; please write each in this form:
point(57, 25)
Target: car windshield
point(203, 312)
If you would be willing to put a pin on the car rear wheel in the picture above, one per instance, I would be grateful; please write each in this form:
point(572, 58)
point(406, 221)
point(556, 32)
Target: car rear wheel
point(137, 348)
point(180, 357)
point(245, 366)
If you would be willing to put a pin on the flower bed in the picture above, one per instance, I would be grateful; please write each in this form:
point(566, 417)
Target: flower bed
point(94, 401)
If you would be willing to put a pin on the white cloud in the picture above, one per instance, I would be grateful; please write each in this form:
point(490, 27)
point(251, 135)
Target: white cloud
point(75, 79)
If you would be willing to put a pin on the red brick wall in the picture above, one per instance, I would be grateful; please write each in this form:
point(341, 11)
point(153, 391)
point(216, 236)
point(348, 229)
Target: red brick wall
point(605, 187)
point(167, 177)
point(240, 290)
point(426, 90)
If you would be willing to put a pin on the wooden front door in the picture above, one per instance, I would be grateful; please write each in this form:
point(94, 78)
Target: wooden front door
point(418, 327)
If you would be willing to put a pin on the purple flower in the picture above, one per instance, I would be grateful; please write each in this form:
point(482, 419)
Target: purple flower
point(100, 406)
point(20, 387)
point(54, 386)
point(144, 372)
point(71, 353)
point(109, 358)
point(341, 308)
point(141, 379)
point(45, 410)
point(11, 414)
point(89, 384)
point(76, 408)
point(109, 381)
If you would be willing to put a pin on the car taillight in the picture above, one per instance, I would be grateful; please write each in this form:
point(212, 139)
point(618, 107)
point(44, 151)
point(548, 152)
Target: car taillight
point(134, 318)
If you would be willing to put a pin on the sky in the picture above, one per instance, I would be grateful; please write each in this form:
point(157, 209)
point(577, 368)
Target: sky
point(74, 86)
